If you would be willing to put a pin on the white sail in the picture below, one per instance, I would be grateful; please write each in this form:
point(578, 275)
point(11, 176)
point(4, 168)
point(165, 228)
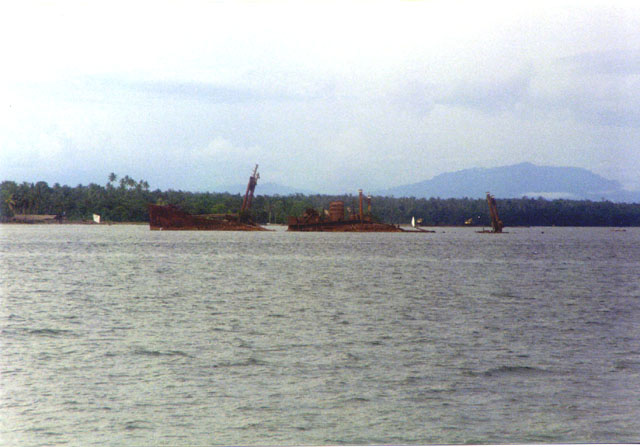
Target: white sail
point(96, 218)
point(413, 222)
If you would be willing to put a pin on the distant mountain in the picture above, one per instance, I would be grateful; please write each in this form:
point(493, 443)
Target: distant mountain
point(524, 179)
point(265, 189)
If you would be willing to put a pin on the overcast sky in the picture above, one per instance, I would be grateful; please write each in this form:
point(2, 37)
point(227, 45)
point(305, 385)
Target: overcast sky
point(325, 96)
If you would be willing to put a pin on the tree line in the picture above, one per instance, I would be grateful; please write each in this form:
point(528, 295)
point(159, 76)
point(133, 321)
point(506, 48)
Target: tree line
point(125, 200)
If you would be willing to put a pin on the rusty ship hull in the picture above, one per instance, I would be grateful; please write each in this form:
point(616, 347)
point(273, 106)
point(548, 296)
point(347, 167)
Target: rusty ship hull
point(170, 217)
point(335, 220)
point(352, 225)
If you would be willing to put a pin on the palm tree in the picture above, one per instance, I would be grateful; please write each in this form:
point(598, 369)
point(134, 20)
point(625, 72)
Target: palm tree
point(10, 201)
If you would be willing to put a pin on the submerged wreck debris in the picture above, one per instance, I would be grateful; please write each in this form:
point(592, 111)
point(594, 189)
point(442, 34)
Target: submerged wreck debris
point(171, 217)
point(336, 220)
point(496, 223)
point(36, 218)
point(415, 226)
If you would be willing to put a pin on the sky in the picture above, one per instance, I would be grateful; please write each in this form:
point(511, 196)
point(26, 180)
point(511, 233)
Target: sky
point(324, 96)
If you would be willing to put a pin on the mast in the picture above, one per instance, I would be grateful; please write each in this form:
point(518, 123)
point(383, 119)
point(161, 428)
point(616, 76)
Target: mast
point(496, 223)
point(248, 195)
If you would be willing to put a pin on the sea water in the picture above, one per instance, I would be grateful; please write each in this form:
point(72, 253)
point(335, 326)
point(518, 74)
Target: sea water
point(117, 335)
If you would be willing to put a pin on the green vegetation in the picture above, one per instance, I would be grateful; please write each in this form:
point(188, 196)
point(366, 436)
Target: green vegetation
point(125, 200)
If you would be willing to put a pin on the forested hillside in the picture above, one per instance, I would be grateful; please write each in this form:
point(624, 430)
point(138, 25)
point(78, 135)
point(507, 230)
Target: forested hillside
point(126, 200)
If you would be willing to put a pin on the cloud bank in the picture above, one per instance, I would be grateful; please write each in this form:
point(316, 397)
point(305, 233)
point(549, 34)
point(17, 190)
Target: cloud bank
point(324, 96)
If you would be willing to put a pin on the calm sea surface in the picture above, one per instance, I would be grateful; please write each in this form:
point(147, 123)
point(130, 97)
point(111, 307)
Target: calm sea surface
point(116, 335)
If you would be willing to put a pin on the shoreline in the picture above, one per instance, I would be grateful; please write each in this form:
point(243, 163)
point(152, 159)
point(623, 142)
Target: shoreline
point(417, 230)
point(104, 224)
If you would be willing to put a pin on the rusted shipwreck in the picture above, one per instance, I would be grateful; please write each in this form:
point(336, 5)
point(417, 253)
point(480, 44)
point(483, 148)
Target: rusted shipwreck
point(171, 217)
point(496, 223)
point(336, 220)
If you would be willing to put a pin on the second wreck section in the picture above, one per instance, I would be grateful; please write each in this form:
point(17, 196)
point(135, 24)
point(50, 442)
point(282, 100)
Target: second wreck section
point(336, 220)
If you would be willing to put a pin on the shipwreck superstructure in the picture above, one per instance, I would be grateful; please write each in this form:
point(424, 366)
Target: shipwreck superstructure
point(496, 223)
point(248, 195)
point(335, 219)
point(171, 217)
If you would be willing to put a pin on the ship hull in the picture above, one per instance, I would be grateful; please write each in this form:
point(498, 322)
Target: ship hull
point(172, 218)
point(345, 226)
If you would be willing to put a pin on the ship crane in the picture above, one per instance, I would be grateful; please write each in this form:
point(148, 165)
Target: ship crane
point(248, 195)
